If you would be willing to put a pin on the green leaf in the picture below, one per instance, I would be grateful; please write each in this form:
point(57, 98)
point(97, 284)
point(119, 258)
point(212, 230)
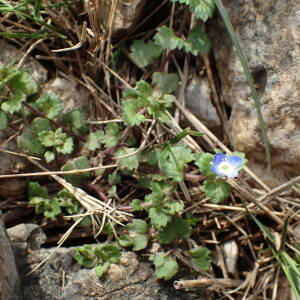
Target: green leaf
point(200, 257)
point(69, 202)
point(143, 53)
point(216, 191)
point(3, 120)
point(21, 85)
point(191, 220)
point(94, 140)
point(136, 204)
point(167, 39)
point(49, 156)
point(144, 89)
point(131, 162)
point(137, 226)
point(114, 178)
point(165, 266)
point(108, 252)
point(112, 134)
point(159, 105)
point(197, 42)
point(159, 218)
point(125, 241)
point(29, 142)
point(49, 207)
point(203, 9)
point(112, 192)
point(177, 228)
point(40, 124)
point(130, 113)
point(134, 100)
point(102, 269)
point(50, 105)
point(140, 242)
point(204, 161)
point(172, 161)
point(86, 222)
point(85, 256)
point(57, 139)
point(36, 190)
point(137, 237)
point(77, 163)
point(52, 138)
point(75, 118)
point(66, 147)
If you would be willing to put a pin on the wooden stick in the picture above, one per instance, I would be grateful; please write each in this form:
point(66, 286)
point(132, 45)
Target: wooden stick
point(214, 283)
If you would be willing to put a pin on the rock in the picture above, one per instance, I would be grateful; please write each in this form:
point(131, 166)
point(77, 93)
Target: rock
point(198, 101)
point(9, 53)
point(30, 236)
point(67, 90)
point(10, 284)
point(231, 254)
point(25, 239)
point(269, 32)
point(127, 280)
point(127, 13)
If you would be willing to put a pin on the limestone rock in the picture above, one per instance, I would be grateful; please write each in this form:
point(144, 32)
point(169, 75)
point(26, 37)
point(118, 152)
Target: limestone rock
point(67, 90)
point(198, 101)
point(63, 279)
point(9, 53)
point(10, 284)
point(31, 235)
point(126, 14)
point(269, 32)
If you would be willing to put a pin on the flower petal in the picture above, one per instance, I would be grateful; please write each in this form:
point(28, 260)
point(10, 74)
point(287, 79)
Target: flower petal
point(232, 172)
point(218, 158)
point(218, 171)
point(235, 161)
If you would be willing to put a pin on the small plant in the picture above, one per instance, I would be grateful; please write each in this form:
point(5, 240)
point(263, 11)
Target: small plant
point(137, 237)
point(100, 257)
point(40, 199)
point(144, 53)
point(165, 266)
point(57, 141)
point(51, 207)
point(50, 132)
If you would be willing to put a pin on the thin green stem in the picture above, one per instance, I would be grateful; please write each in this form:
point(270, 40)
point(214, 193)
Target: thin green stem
point(247, 72)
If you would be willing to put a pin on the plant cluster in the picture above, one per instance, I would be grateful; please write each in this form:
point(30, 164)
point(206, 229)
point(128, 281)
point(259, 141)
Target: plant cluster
point(62, 138)
point(50, 133)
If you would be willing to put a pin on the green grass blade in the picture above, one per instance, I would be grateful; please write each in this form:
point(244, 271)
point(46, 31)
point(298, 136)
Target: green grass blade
point(248, 75)
point(291, 270)
point(265, 231)
point(27, 35)
point(37, 9)
point(284, 235)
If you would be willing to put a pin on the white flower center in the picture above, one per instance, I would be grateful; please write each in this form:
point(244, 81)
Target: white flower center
point(225, 166)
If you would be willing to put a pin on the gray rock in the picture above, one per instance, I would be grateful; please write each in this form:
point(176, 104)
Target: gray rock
point(67, 90)
point(127, 280)
point(9, 53)
point(269, 32)
point(25, 239)
point(31, 235)
point(198, 101)
point(126, 14)
point(10, 284)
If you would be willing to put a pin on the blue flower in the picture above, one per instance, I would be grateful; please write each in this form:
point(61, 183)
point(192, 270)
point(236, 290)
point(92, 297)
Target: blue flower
point(224, 165)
